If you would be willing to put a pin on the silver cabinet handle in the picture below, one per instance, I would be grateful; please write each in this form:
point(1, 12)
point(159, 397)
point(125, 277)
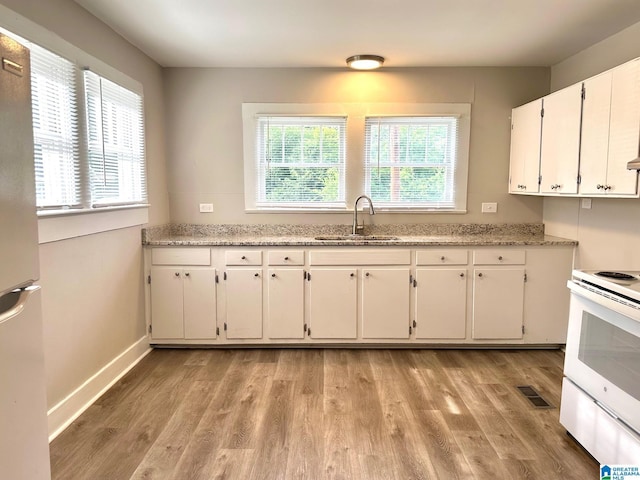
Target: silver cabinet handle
point(522, 187)
point(599, 187)
point(555, 186)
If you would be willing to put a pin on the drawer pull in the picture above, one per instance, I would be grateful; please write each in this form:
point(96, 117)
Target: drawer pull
point(256, 274)
point(442, 258)
point(186, 274)
point(286, 258)
point(500, 258)
point(243, 257)
point(273, 275)
point(480, 274)
point(462, 275)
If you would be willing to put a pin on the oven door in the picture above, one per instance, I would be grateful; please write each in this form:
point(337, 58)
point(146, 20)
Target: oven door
point(603, 352)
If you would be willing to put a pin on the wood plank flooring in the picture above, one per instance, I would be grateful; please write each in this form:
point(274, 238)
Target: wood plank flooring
point(325, 414)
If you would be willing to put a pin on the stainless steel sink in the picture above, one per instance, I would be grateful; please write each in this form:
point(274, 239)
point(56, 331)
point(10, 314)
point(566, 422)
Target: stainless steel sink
point(355, 238)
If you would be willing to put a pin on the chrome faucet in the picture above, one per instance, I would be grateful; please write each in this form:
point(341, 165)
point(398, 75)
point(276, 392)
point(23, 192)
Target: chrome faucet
point(359, 229)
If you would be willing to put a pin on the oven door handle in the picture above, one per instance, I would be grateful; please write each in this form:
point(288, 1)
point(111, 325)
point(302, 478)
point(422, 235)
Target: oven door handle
point(627, 309)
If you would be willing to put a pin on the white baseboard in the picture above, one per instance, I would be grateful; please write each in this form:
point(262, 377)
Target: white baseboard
point(65, 412)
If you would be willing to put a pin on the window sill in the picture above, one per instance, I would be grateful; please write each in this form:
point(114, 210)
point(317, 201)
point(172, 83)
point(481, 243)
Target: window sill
point(55, 225)
point(452, 211)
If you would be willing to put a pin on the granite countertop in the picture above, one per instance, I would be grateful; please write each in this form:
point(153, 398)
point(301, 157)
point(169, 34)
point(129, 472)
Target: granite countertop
point(304, 235)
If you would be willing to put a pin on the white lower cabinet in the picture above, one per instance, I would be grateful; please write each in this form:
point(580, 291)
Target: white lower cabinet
point(371, 295)
point(333, 303)
point(183, 303)
point(498, 303)
point(385, 303)
point(243, 303)
point(285, 303)
point(441, 303)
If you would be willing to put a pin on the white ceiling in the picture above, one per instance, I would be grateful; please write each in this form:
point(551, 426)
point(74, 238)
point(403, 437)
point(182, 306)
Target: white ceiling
point(409, 33)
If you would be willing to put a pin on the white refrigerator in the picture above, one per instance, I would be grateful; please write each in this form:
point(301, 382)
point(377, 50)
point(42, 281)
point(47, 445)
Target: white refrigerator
point(24, 447)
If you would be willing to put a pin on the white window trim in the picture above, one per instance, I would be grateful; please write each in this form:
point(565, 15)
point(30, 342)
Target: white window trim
point(354, 170)
point(60, 224)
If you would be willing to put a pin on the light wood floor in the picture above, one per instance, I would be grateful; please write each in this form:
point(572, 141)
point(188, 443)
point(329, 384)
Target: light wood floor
point(325, 414)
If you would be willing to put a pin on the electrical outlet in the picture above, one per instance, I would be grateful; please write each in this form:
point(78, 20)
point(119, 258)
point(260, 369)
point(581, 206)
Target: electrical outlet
point(490, 207)
point(206, 207)
point(586, 203)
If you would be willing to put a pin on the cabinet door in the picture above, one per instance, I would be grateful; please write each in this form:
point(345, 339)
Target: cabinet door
point(333, 303)
point(385, 303)
point(199, 289)
point(166, 303)
point(561, 140)
point(498, 303)
point(526, 128)
point(244, 302)
point(595, 134)
point(441, 303)
point(624, 129)
point(285, 303)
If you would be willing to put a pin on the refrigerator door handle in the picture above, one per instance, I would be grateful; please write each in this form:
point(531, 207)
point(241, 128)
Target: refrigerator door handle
point(17, 305)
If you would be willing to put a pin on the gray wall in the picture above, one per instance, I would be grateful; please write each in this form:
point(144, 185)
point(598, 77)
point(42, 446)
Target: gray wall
point(204, 132)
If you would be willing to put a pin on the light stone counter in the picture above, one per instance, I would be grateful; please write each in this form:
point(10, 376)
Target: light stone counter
point(304, 235)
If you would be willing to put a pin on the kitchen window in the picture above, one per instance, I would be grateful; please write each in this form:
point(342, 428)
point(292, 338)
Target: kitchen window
point(301, 161)
point(410, 161)
point(55, 130)
point(320, 157)
point(110, 169)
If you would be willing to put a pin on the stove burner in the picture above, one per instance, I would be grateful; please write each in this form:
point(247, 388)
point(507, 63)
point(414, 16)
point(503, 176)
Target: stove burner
point(616, 275)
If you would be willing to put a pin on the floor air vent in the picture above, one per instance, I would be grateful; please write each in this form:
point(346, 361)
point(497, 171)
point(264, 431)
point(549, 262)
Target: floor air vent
point(533, 396)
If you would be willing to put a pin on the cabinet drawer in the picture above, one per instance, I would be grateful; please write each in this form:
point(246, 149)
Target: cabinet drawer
point(243, 257)
point(180, 256)
point(286, 257)
point(380, 256)
point(442, 257)
point(499, 257)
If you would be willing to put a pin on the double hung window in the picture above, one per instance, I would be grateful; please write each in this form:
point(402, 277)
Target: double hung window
point(321, 157)
point(410, 161)
point(88, 137)
point(301, 162)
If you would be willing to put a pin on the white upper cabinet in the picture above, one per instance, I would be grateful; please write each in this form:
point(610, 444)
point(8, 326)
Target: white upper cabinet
point(526, 128)
point(595, 133)
point(589, 132)
point(611, 132)
point(560, 149)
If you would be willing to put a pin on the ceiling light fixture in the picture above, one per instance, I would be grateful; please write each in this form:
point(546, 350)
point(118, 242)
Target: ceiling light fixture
point(365, 62)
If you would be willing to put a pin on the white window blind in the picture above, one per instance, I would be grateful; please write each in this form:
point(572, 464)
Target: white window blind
point(410, 162)
point(300, 162)
point(55, 130)
point(115, 140)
